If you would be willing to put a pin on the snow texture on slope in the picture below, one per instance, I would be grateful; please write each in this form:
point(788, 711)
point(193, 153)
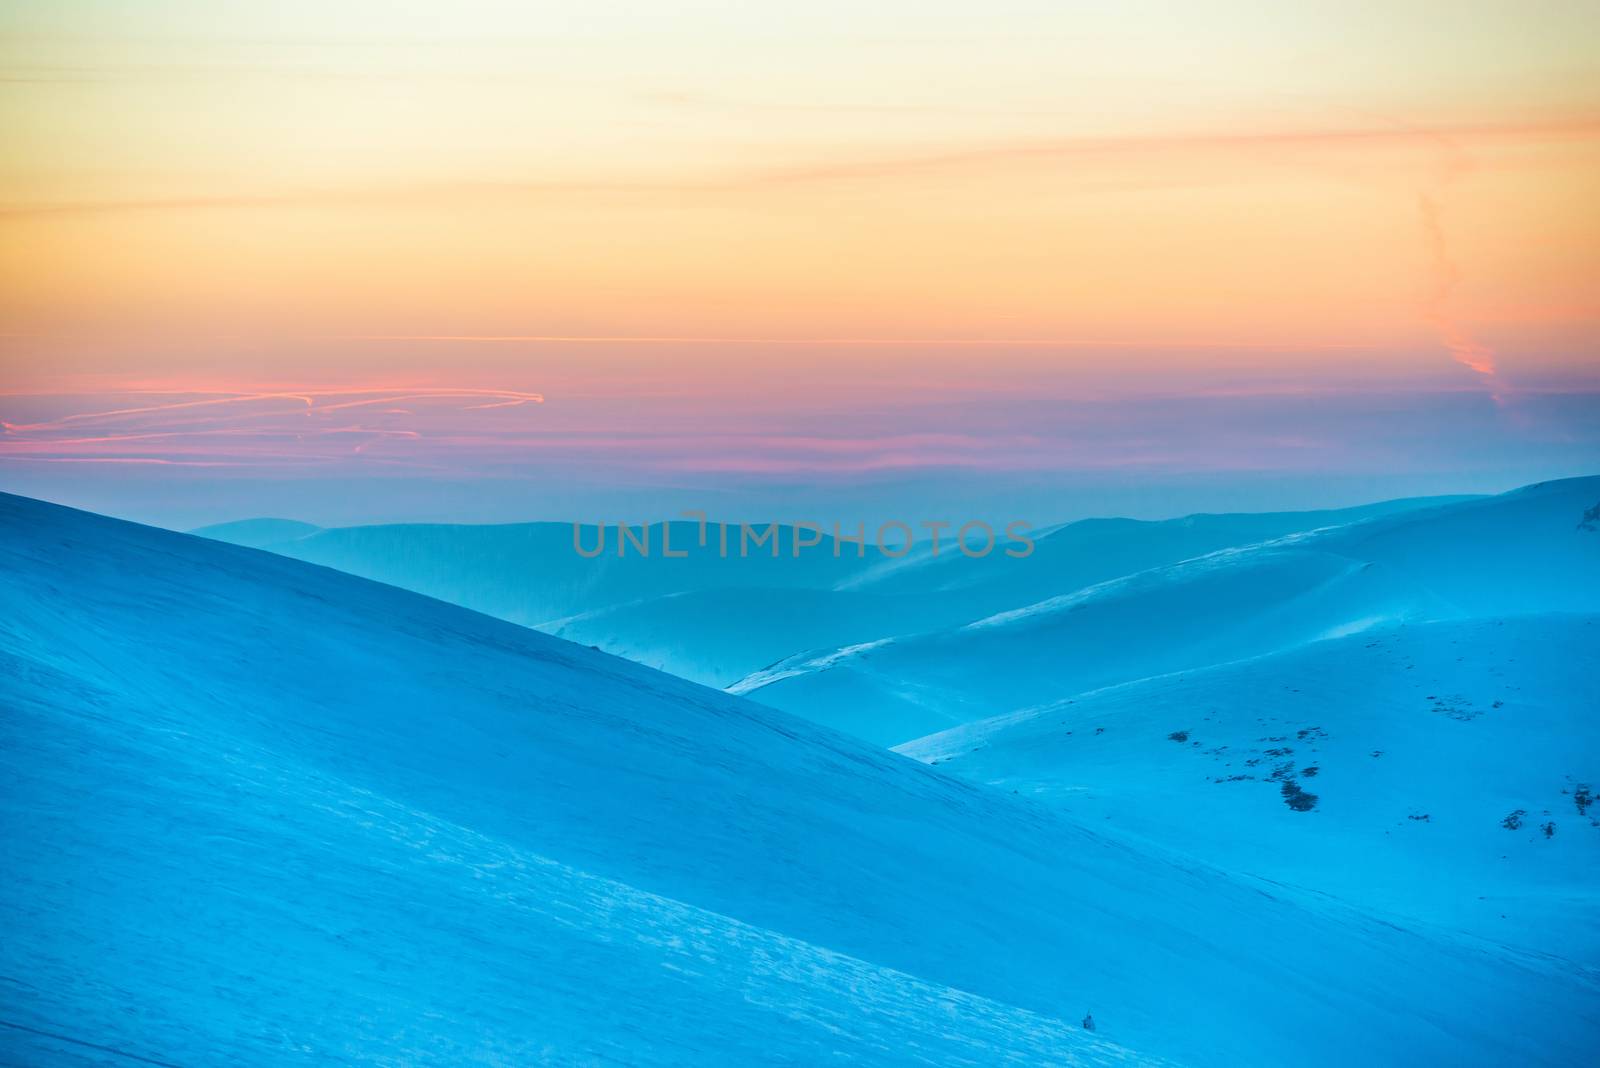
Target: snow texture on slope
point(1442, 771)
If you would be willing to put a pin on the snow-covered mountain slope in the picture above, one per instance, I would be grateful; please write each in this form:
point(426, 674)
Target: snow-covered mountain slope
point(718, 636)
point(1090, 551)
point(533, 573)
point(258, 811)
point(1440, 770)
point(1529, 550)
point(1221, 607)
point(715, 616)
point(1519, 552)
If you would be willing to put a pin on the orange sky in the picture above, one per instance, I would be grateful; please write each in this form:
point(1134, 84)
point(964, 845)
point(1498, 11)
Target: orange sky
point(1351, 174)
point(694, 206)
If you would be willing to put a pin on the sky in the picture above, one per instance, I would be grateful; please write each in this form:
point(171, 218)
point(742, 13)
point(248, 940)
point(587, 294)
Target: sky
point(374, 261)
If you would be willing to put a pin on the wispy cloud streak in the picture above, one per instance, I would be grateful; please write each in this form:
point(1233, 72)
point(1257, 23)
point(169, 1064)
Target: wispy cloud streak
point(1466, 351)
point(1438, 306)
point(278, 427)
point(1576, 127)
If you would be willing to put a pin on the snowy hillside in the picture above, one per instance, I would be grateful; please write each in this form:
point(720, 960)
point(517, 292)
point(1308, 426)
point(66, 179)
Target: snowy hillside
point(1444, 771)
point(1519, 552)
point(259, 811)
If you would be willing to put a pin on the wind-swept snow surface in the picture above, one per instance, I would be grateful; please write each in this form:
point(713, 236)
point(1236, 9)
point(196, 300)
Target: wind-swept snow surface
point(258, 811)
point(1441, 771)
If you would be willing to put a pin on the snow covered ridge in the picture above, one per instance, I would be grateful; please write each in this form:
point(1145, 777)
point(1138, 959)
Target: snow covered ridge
point(1518, 553)
point(258, 811)
point(690, 615)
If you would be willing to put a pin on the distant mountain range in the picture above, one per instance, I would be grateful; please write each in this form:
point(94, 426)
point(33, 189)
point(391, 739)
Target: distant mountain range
point(718, 617)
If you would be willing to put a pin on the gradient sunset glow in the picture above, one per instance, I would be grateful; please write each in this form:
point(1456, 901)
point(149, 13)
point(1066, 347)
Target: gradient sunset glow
point(738, 248)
